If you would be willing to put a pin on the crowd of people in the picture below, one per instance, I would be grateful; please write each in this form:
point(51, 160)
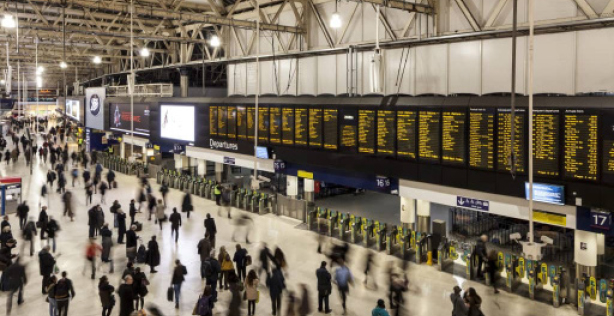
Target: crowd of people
point(239, 275)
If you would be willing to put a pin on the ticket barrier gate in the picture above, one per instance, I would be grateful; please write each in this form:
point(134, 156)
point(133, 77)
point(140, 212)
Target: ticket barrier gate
point(344, 224)
point(446, 254)
point(238, 198)
point(514, 271)
point(392, 239)
point(247, 198)
point(187, 184)
point(424, 253)
point(332, 219)
point(268, 204)
point(380, 235)
point(368, 230)
point(582, 286)
point(206, 189)
point(609, 296)
point(355, 228)
point(254, 205)
point(212, 190)
point(405, 242)
point(178, 180)
point(159, 176)
point(312, 218)
point(196, 186)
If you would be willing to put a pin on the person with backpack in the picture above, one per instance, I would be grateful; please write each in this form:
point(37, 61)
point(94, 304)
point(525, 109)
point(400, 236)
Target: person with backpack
point(227, 267)
point(22, 212)
point(211, 269)
point(53, 306)
point(52, 229)
point(205, 303)
point(46, 263)
point(240, 260)
point(175, 220)
point(64, 293)
point(43, 221)
point(153, 255)
point(29, 231)
point(126, 296)
point(107, 299)
point(179, 273)
point(186, 204)
point(251, 291)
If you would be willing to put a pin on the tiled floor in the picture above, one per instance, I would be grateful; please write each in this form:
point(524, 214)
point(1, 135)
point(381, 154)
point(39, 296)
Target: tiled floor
point(428, 294)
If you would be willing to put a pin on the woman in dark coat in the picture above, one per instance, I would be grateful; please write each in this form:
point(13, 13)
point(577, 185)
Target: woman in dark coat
point(139, 287)
point(153, 254)
point(105, 290)
point(43, 220)
point(234, 308)
point(186, 205)
point(126, 297)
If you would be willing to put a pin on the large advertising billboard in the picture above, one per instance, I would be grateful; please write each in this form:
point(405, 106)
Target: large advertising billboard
point(73, 109)
point(120, 118)
point(94, 113)
point(177, 122)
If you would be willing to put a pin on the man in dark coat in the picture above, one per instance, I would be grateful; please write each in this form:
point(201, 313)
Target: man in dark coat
point(186, 204)
point(210, 229)
point(51, 177)
point(22, 213)
point(121, 226)
point(29, 231)
point(324, 287)
point(178, 277)
point(126, 297)
point(43, 220)
point(110, 178)
point(46, 263)
point(175, 220)
point(276, 284)
point(153, 255)
point(204, 250)
point(92, 221)
point(213, 266)
point(131, 243)
point(132, 211)
point(15, 276)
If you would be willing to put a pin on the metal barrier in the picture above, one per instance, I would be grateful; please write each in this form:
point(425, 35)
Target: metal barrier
point(292, 207)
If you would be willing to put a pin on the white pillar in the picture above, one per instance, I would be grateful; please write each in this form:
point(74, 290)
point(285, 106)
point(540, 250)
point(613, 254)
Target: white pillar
point(600, 244)
point(292, 183)
point(178, 162)
point(122, 149)
point(309, 186)
point(219, 169)
point(423, 211)
point(202, 167)
point(585, 248)
point(408, 211)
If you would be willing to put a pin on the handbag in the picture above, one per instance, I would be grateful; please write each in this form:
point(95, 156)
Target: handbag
point(195, 310)
point(170, 293)
point(258, 297)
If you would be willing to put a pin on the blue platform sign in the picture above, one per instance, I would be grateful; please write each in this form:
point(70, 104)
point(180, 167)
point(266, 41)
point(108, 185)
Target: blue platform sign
point(547, 193)
point(475, 204)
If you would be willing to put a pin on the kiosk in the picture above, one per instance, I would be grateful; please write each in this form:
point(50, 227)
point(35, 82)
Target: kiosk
point(10, 189)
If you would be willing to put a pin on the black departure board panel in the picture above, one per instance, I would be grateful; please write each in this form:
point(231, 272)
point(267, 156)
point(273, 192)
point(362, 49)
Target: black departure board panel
point(263, 125)
point(607, 143)
point(251, 119)
point(366, 131)
point(482, 138)
point(406, 134)
point(581, 160)
point(301, 124)
point(241, 122)
point(232, 122)
point(331, 133)
point(386, 132)
point(429, 135)
point(275, 125)
point(453, 137)
point(213, 120)
point(287, 126)
point(315, 128)
point(222, 119)
point(546, 142)
point(348, 122)
point(504, 140)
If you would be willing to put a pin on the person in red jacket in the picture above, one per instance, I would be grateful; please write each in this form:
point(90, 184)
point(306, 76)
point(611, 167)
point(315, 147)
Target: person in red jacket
point(92, 251)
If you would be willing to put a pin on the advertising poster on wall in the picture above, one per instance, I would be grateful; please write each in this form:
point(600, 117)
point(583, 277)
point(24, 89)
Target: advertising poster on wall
point(177, 122)
point(120, 118)
point(73, 109)
point(94, 113)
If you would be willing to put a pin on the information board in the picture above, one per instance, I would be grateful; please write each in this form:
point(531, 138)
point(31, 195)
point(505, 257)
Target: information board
point(504, 140)
point(581, 160)
point(251, 119)
point(607, 143)
point(301, 123)
point(275, 125)
point(385, 133)
point(546, 142)
point(213, 120)
point(453, 137)
point(287, 126)
point(429, 135)
point(482, 138)
point(222, 119)
point(331, 133)
point(406, 134)
point(232, 122)
point(315, 128)
point(348, 122)
point(263, 125)
point(242, 122)
point(366, 131)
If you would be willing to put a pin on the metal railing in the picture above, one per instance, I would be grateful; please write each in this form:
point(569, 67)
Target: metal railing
point(153, 90)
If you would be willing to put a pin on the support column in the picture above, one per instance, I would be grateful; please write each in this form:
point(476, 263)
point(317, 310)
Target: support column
point(184, 72)
point(202, 167)
point(408, 212)
point(309, 185)
point(219, 170)
point(291, 186)
point(423, 211)
point(122, 149)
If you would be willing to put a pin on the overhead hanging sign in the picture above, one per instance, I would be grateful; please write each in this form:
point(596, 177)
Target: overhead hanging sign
point(475, 204)
point(546, 193)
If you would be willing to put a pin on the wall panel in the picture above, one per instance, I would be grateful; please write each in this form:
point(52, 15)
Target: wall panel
point(431, 69)
point(307, 76)
point(397, 64)
point(497, 65)
point(465, 68)
point(327, 74)
point(595, 70)
point(342, 74)
point(268, 79)
point(287, 73)
point(554, 75)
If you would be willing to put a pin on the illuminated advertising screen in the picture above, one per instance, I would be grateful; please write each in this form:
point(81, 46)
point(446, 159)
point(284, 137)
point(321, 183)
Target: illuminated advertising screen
point(121, 119)
point(177, 122)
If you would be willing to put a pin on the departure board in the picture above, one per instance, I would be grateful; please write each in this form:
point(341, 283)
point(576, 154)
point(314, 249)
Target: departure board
point(287, 126)
point(385, 132)
point(429, 123)
point(366, 131)
point(482, 138)
point(504, 140)
point(212, 120)
point(546, 142)
point(453, 137)
point(331, 137)
point(251, 119)
point(348, 137)
point(581, 160)
point(232, 122)
point(275, 125)
point(222, 118)
point(263, 125)
point(241, 122)
point(301, 123)
point(315, 128)
point(406, 134)
point(607, 143)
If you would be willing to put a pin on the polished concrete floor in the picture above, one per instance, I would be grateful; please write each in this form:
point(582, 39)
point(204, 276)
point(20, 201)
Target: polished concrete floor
point(428, 295)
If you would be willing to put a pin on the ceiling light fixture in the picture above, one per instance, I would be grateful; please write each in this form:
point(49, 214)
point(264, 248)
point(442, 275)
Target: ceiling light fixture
point(40, 70)
point(144, 52)
point(97, 60)
point(9, 21)
point(215, 41)
point(63, 65)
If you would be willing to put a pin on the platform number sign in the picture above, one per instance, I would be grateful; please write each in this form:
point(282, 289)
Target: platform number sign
point(382, 182)
point(601, 220)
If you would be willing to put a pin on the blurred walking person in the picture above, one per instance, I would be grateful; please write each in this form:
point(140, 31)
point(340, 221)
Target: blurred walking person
point(175, 220)
point(344, 279)
point(251, 291)
point(46, 262)
point(15, 276)
point(179, 273)
point(276, 284)
point(186, 204)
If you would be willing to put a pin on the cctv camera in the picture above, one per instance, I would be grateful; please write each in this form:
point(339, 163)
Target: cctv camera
point(547, 240)
point(515, 236)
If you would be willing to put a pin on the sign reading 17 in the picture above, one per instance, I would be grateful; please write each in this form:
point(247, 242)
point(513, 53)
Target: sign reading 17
point(601, 220)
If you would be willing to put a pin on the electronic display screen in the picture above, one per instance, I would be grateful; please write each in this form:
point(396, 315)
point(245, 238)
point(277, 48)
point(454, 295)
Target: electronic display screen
point(453, 137)
point(386, 133)
point(213, 120)
point(504, 141)
point(366, 131)
point(581, 155)
point(546, 142)
point(263, 125)
point(222, 121)
point(429, 135)
point(347, 122)
point(315, 128)
point(607, 143)
point(301, 124)
point(331, 133)
point(242, 122)
point(232, 122)
point(275, 125)
point(406, 134)
point(482, 138)
point(177, 122)
point(287, 126)
point(73, 109)
point(251, 119)
point(121, 118)
point(262, 152)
